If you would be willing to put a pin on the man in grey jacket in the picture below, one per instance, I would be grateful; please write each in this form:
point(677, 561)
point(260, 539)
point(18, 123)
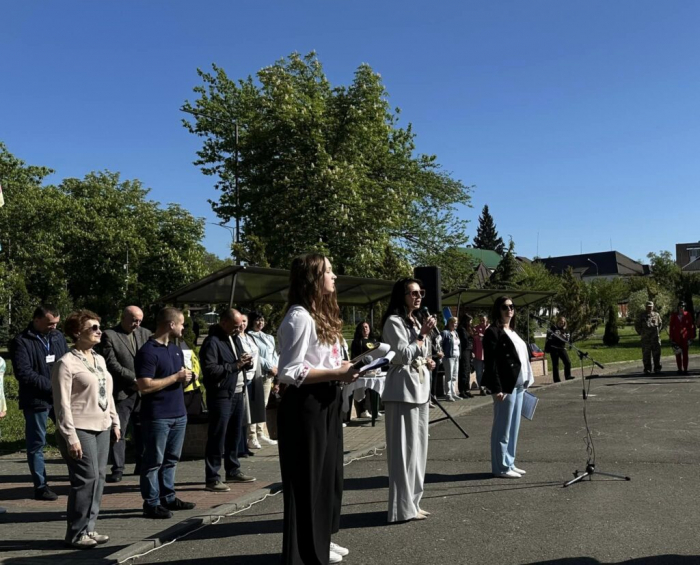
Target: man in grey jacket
point(119, 347)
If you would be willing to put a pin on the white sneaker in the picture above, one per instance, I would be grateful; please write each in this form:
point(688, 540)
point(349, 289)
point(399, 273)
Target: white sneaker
point(335, 558)
point(268, 441)
point(365, 414)
point(510, 474)
point(339, 549)
point(519, 471)
point(450, 399)
point(254, 444)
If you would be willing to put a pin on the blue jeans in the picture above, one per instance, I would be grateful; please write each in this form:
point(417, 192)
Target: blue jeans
point(162, 446)
point(35, 434)
point(504, 434)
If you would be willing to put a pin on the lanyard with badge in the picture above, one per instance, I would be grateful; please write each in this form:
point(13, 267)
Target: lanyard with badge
point(47, 345)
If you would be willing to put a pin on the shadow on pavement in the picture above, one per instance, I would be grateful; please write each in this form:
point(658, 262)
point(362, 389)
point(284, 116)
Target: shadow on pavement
point(60, 515)
point(652, 560)
point(366, 483)
point(96, 556)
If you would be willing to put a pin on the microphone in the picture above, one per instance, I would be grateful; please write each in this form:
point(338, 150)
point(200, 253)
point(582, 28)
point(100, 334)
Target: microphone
point(426, 313)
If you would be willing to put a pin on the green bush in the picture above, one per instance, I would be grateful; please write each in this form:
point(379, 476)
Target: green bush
point(611, 336)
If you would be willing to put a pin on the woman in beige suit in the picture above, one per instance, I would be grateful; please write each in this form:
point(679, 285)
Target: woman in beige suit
point(85, 414)
point(406, 395)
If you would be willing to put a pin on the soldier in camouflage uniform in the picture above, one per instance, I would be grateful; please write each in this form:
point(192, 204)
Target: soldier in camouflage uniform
point(648, 326)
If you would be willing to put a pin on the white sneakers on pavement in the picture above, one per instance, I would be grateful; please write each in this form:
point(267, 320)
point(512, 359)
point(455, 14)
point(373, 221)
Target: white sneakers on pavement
point(365, 414)
point(510, 474)
point(519, 471)
point(337, 552)
point(254, 444)
point(267, 440)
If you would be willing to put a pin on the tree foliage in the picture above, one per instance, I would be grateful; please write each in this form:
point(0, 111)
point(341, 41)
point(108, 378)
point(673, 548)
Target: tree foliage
point(68, 243)
point(323, 167)
point(486, 234)
point(611, 336)
point(508, 272)
point(573, 303)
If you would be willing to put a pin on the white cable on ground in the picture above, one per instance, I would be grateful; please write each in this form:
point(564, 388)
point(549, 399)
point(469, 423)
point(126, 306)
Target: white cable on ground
point(217, 518)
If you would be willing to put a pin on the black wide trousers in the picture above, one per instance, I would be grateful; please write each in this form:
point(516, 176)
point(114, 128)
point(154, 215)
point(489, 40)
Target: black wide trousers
point(310, 434)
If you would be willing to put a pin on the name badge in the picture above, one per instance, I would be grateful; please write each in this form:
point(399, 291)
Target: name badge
point(50, 358)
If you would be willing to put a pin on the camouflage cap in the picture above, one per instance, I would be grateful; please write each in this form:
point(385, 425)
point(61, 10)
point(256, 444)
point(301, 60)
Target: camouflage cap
point(650, 303)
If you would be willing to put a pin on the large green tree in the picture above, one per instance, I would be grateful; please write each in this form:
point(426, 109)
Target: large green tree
point(323, 167)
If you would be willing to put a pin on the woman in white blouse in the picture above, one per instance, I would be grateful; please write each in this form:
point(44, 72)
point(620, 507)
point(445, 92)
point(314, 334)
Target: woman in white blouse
point(406, 395)
point(269, 359)
point(309, 416)
point(507, 373)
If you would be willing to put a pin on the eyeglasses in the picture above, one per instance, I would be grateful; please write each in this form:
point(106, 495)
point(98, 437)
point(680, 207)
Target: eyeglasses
point(416, 293)
point(94, 328)
point(508, 307)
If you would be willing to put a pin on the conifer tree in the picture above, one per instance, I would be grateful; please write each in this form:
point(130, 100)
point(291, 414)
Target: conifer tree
point(508, 270)
point(486, 234)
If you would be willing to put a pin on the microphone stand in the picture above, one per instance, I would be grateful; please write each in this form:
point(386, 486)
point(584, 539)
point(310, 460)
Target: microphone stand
point(590, 448)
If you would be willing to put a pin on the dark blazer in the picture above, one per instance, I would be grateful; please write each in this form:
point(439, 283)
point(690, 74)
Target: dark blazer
point(31, 370)
point(501, 361)
point(218, 361)
point(119, 357)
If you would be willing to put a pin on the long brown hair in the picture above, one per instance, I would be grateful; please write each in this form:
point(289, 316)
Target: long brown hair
point(496, 312)
point(306, 289)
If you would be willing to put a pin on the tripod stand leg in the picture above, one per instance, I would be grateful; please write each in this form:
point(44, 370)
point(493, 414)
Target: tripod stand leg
point(613, 476)
point(447, 414)
point(577, 479)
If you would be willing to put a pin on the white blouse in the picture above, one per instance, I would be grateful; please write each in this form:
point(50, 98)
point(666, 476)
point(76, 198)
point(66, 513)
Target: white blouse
point(300, 350)
point(250, 347)
point(525, 377)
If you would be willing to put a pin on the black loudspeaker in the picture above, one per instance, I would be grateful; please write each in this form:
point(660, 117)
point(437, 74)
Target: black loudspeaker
point(432, 283)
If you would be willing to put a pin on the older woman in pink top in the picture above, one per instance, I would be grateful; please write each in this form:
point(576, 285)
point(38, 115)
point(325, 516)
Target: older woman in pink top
point(85, 414)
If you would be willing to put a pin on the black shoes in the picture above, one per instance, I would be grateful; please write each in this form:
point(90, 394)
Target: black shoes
point(114, 477)
point(45, 494)
point(178, 504)
point(156, 512)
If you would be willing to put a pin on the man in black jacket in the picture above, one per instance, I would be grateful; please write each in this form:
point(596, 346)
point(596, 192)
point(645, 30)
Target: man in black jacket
point(224, 368)
point(34, 353)
point(119, 347)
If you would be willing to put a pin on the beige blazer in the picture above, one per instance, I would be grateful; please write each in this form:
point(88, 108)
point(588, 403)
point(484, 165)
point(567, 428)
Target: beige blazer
point(75, 398)
point(403, 382)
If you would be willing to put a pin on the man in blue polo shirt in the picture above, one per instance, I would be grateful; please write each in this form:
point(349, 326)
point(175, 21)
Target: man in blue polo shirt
point(34, 353)
point(161, 374)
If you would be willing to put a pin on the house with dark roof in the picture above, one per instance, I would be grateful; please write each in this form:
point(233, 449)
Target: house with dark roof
point(605, 264)
point(486, 262)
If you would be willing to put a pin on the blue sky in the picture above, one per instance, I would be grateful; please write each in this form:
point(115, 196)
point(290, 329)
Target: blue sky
point(577, 121)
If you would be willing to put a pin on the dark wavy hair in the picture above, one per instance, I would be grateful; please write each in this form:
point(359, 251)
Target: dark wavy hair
point(397, 302)
point(358, 331)
point(306, 289)
point(496, 312)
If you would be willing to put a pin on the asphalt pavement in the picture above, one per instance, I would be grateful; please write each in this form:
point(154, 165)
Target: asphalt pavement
point(645, 427)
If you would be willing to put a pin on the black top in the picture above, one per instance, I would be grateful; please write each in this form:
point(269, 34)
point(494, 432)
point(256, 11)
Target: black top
point(501, 361)
point(359, 346)
point(218, 361)
point(553, 342)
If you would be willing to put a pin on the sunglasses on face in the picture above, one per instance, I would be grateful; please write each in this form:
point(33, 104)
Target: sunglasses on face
point(94, 328)
point(416, 293)
point(508, 307)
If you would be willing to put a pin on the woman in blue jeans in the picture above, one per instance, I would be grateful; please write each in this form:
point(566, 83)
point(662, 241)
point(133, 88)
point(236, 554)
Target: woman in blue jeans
point(507, 373)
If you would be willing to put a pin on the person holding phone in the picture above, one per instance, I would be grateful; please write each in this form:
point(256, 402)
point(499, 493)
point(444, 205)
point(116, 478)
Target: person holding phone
point(224, 365)
point(309, 417)
point(507, 373)
point(85, 414)
point(161, 378)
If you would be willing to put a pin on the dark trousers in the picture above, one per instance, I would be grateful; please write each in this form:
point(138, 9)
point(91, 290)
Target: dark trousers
point(682, 358)
point(564, 356)
point(465, 370)
point(225, 429)
point(87, 481)
point(35, 437)
point(125, 411)
point(310, 435)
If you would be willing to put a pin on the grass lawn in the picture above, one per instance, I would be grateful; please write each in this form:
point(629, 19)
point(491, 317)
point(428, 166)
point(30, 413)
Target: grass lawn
point(629, 348)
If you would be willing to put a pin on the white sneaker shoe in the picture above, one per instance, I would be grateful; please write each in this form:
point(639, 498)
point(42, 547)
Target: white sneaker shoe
point(510, 474)
point(335, 558)
point(365, 414)
point(519, 471)
point(267, 440)
point(254, 444)
point(339, 549)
